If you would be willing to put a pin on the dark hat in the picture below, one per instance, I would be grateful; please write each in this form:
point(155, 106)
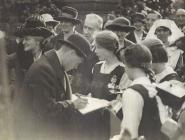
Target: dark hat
point(18, 31)
point(138, 17)
point(35, 26)
point(120, 24)
point(79, 44)
point(69, 14)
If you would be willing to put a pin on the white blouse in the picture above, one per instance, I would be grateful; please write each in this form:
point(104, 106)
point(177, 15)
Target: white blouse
point(132, 105)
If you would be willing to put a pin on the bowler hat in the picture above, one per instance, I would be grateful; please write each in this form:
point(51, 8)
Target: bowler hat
point(35, 26)
point(49, 19)
point(78, 43)
point(120, 24)
point(69, 14)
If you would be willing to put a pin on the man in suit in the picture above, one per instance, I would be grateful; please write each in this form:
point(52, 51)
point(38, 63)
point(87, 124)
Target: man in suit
point(83, 76)
point(50, 112)
point(138, 34)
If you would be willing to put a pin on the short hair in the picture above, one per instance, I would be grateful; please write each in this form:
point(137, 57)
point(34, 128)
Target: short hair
point(156, 47)
point(107, 39)
point(96, 18)
point(137, 55)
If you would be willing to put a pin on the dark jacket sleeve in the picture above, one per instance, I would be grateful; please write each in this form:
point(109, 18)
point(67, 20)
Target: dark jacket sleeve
point(40, 86)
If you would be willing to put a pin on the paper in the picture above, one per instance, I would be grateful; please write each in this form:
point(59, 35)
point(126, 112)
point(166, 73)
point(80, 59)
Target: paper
point(93, 104)
point(169, 127)
point(172, 88)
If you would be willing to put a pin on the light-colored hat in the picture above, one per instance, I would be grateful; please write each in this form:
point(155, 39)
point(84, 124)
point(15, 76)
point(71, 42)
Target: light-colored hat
point(176, 33)
point(180, 12)
point(49, 19)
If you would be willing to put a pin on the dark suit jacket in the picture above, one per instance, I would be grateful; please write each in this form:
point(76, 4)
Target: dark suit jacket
point(47, 102)
point(132, 38)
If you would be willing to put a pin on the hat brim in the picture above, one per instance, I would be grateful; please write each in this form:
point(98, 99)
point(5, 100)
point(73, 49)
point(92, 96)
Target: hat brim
point(73, 46)
point(72, 20)
point(116, 27)
point(54, 22)
point(43, 32)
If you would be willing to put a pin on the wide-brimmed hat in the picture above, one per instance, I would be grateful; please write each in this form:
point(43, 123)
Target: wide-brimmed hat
point(120, 24)
point(79, 43)
point(35, 26)
point(49, 19)
point(69, 14)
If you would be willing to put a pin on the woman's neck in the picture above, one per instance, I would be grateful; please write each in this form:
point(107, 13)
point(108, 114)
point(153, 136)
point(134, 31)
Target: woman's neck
point(160, 68)
point(138, 73)
point(111, 60)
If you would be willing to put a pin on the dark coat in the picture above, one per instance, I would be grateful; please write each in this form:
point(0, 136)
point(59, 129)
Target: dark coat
point(47, 102)
point(132, 38)
point(127, 43)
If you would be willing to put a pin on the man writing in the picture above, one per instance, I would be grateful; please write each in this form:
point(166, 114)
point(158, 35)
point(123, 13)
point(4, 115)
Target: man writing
point(52, 113)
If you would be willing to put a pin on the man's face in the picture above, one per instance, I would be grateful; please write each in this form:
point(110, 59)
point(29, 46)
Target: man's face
point(180, 19)
point(121, 35)
point(139, 25)
point(90, 26)
point(162, 33)
point(65, 26)
point(30, 43)
point(73, 61)
point(151, 18)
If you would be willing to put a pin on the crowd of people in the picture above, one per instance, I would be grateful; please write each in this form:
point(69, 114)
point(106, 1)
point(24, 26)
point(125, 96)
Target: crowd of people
point(122, 60)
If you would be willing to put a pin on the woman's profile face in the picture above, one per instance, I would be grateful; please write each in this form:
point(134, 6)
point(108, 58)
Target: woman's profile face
point(162, 33)
point(102, 53)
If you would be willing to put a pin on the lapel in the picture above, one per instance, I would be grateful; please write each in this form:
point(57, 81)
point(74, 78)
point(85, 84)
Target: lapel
point(60, 73)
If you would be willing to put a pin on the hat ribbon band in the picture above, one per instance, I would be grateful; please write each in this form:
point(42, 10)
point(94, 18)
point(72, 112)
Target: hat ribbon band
point(67, 15)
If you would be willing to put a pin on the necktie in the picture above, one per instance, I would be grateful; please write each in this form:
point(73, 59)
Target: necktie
point(67, 86)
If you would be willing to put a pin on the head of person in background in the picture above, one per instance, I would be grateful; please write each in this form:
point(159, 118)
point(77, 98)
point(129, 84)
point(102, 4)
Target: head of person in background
point(50, 22)
point(110, 18)
point(180, 18)
point(92, 24)
point(160, 60)
point(166, 30)
point(138, 21)
point(25, 58)
point(34, 32)
point(162, 33)
point(151, 17)
point(68, 21)
point(121, 26)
